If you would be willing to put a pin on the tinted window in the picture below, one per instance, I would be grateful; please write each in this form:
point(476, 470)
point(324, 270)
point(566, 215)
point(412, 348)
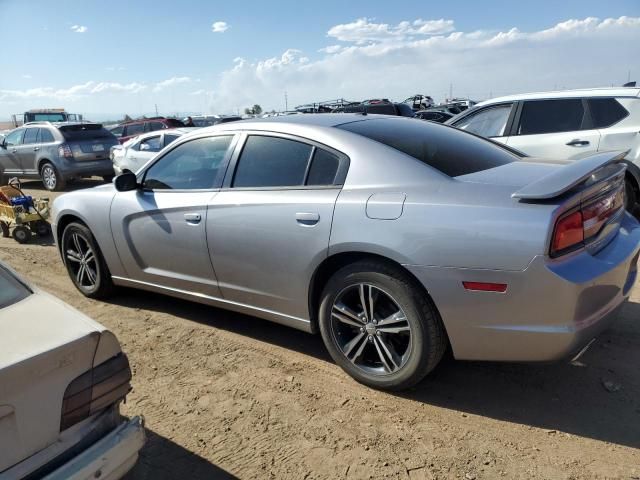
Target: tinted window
point(488, 122)
point(117, 131)
point(174, 123)
point(152, 144)
point(606, 111)
point(323, 168)
point(272, 162)
point(197, 164)
point(444, 148)
point(15, 137)
point(550, 116)
point(46, 136)
point(381, 109)
point(153, 126)
point(135, 129)
point(30, 136)
point(85, 131)
point(11, 290)
point(168, 138)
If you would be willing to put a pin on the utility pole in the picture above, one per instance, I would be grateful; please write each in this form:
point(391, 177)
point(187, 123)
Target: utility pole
point(156, 110)
point(286, 102)
point(450, 91)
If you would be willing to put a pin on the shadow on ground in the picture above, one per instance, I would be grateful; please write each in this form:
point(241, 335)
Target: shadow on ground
point(79, 184)
point(564, 396)
point(161, 458)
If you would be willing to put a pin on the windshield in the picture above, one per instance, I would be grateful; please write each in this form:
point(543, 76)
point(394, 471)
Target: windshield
point(444, 148)
point(11, 289)
point(46, 117)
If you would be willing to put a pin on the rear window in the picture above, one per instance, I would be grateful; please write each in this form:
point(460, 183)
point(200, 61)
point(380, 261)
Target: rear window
point(446, 149)
point(85, 131)
point(606, 111)
point(11, 290)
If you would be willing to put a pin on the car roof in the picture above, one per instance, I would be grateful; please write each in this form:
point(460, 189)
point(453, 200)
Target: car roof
point(310, 119)
point(577, 93)
point(179, 131)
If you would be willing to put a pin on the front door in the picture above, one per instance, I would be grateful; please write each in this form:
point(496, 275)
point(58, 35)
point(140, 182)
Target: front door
point(159, 229)
point(269, 228)
point(9, 154)
point(29, 150)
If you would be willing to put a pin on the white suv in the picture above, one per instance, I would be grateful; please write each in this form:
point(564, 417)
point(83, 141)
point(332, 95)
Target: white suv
point(565, 125)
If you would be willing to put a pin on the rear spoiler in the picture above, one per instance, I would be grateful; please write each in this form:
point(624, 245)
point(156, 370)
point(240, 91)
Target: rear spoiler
point(571, 175)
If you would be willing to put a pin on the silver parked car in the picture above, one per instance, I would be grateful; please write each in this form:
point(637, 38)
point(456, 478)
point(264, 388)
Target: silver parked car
point(392, 237)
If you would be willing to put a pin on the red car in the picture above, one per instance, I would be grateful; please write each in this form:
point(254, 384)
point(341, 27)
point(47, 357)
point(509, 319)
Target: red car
point(126, 131)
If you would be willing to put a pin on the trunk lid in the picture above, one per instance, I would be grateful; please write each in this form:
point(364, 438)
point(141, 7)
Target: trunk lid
point(44, 346)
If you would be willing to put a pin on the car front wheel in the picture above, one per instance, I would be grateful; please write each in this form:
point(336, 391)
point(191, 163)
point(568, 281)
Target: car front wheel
point(84, 262)
point(380, 327)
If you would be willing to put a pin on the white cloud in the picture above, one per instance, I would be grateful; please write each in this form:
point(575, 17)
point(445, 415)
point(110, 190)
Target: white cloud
point(171, 82)
point(363, 30)
point(27, 76)
point(395, 61)
point(75, 91)
point(79, 28)
point(202, 91)
point(219, 27)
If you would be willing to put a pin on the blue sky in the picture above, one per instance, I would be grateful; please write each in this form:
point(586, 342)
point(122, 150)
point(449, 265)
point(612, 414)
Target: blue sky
point(125, 56)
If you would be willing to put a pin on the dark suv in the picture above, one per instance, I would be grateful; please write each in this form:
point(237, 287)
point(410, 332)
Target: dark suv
point(138, 127)
point(57, 152)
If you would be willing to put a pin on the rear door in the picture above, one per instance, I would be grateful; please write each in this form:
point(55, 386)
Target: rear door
point(159, 229)
point(29, 150)
point(269, 226)
point(143, 151)
point(554, 128)
point(9, 157)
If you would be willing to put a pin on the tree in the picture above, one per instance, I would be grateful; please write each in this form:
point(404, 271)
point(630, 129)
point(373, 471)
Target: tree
point(255, 110)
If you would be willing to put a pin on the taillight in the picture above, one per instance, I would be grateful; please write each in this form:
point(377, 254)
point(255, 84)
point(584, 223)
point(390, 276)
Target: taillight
point(574, 229)
point(64, 150)
point(96, 389)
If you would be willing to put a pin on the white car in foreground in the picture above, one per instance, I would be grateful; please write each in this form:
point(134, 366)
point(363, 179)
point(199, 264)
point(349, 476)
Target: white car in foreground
point(62, 378)
point(564, 125)
point(134, 153)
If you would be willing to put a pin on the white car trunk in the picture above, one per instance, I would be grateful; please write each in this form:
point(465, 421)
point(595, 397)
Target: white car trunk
point(44, 346)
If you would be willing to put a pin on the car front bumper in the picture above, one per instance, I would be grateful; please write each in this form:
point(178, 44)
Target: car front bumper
point(549, 311)
point(110, 458)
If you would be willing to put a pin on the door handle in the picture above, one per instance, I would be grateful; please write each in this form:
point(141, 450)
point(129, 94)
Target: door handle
point(35, 149)
point(307, 219)
point(577, 143)
point(193, 218)
point(14, 150)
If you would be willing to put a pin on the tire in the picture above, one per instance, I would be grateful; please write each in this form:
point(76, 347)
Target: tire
point(631, 204)
point(22, 234)
point(4, 226)
point(51, 178)
point(79, 249)
point(107, 178)
point(383, 358)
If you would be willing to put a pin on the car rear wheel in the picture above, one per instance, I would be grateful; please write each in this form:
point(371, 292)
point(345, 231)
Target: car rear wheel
point(84, 262)
point(51, 178)
point(380, 327)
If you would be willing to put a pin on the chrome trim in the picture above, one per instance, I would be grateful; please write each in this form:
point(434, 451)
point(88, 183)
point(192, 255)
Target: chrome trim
point(281, 318)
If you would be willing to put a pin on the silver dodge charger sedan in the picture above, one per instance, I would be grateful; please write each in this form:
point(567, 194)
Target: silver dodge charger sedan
point(394, 238)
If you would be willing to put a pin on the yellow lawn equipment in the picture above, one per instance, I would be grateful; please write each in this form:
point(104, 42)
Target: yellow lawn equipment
point(21, 215)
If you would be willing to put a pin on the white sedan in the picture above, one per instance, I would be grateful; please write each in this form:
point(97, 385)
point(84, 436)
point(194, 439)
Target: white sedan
point(134, 153)
point(62, 378)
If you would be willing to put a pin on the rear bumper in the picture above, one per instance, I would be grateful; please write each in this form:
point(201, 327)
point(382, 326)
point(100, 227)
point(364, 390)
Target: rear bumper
point(108, 459)
point(87, 168)
point(550, 310)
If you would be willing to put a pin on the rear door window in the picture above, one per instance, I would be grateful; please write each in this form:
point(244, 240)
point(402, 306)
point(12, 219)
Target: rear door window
point(153, 126)
point(135, 129)
point(30, 136)
point(551, 116)
point(272, 162)
point(606, 112)
point(488, 122)
point(169, 138)
point(324, 168)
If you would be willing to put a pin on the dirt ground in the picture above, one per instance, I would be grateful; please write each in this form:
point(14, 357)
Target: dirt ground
point(226, 395)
